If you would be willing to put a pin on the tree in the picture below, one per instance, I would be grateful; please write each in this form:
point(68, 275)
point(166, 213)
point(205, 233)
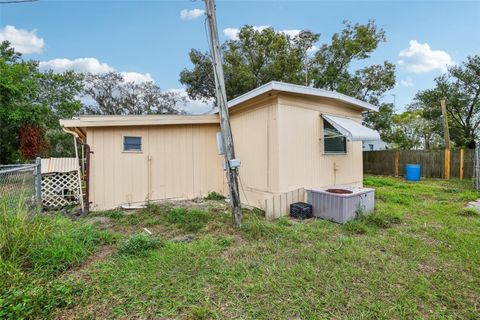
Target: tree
point(257, 57)
point(31, 99)
point(261, 56)
point(381, 121)
point(332, 63)
point(112, 94)
point(461, 88)
point(408, 130)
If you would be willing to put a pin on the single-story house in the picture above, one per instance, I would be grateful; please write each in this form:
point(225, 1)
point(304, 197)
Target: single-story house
point(286, 136)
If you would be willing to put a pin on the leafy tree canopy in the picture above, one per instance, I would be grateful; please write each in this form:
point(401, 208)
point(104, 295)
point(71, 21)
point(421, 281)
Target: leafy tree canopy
point(30, 97)
point(461, 88)
point(112, 94)
point(261, 56)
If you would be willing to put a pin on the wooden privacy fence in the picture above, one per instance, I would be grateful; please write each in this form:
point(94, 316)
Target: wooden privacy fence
point(455, 163)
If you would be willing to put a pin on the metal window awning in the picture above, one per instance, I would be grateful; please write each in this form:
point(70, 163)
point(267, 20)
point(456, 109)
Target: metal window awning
point(351, 129)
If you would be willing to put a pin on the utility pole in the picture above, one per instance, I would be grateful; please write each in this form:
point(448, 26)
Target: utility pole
point(231, 166)
point(446, 135)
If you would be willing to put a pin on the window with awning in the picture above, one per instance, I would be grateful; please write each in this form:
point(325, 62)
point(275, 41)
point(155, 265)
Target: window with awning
point(333, 140)
point(336, 131)
point(352, 129)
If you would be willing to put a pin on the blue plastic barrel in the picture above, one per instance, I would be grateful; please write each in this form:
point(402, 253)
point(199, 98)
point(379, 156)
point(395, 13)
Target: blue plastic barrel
point(412, 172)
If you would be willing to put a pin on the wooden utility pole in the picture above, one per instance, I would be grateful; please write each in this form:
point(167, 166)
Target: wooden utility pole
point(231, 166)
point(446, 135)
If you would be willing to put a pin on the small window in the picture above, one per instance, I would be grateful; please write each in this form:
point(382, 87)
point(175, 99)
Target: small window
point(333, 140)
point(371, 147)
point(132, 143)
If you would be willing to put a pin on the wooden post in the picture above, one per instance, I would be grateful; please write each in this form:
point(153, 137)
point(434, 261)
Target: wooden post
point(221, 95)
point(397, 158)
point(446, 136)
point(38, 183)
point(461, 162)
point(447, 164)
point(446, 133)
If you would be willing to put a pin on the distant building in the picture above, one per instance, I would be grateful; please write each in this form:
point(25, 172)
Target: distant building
point(374, 145)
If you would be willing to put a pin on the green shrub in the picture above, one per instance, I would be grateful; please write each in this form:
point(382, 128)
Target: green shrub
point(214, 196)
point(190, 220)
point(139, 244)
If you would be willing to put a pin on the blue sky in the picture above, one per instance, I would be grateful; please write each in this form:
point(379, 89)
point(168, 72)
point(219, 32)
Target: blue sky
point(150, 40)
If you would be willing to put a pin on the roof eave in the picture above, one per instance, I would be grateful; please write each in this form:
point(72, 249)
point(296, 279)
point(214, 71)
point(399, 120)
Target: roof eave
point(119, 121)
point(297, 89)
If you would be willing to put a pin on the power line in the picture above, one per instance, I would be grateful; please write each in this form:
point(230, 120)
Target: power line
point(15, 1)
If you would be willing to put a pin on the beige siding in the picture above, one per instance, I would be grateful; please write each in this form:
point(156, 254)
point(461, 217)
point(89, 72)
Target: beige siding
point(176, 162)
point(302, 161)
point(277, 138)
point(254, 130)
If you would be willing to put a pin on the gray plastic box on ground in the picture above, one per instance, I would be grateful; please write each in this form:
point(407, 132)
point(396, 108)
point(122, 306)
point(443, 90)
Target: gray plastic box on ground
point(341, 208)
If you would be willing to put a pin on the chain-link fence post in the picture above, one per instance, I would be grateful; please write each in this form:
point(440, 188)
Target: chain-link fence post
point(38, 182)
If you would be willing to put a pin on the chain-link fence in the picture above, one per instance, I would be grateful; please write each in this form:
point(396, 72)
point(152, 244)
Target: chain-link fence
point(20, 186)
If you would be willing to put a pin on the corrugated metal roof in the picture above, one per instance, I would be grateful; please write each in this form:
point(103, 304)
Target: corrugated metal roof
point(50, 165)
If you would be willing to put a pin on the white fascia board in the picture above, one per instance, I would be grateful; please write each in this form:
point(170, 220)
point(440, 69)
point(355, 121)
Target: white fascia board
point(297, 89)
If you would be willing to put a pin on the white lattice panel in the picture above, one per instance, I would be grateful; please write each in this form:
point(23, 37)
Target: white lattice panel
point(60, 189)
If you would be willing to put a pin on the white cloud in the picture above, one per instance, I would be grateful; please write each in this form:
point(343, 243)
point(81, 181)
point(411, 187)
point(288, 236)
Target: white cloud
point(193, 106)
point(137, 77)
point(292, 32)
point(408, 82)
point(22, 40)
point(191, 14)
point(91, 65)
point(232, 33)
point(420, 57)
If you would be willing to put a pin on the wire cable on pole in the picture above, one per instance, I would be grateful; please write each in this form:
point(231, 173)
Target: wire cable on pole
point(15, 1)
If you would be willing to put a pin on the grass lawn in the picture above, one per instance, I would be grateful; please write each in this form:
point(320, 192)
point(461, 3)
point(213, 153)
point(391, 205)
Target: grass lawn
point(417, 256)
